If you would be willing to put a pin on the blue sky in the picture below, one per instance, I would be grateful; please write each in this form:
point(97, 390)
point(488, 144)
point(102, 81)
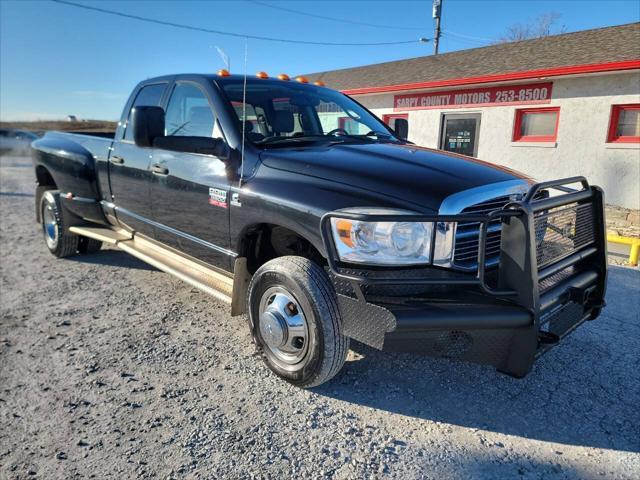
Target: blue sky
point(57, 60)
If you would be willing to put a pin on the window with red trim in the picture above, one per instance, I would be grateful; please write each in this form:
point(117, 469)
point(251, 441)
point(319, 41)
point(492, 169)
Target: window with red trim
point(390, 119)
point(536, 124)
point(624, 126)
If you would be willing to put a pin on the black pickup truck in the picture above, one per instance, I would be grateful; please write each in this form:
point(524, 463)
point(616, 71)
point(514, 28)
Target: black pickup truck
point(299, 208)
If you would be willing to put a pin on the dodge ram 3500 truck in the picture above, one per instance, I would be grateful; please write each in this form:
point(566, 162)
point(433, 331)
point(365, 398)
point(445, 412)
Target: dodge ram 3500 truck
point(299, 208)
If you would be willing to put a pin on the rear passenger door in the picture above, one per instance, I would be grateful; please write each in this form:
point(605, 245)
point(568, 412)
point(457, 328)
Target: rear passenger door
point(129, 173)
point(190, 192)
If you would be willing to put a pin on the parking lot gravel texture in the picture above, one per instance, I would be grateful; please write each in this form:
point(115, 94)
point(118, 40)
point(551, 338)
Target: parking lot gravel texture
point(112, 369)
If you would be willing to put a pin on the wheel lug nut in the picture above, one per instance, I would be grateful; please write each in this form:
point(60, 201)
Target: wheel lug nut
point(292, 309)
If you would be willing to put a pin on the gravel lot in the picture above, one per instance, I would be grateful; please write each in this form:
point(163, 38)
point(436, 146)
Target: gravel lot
point(111, 369)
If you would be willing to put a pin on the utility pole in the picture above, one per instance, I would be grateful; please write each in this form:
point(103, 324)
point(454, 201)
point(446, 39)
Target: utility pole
point(437, 11)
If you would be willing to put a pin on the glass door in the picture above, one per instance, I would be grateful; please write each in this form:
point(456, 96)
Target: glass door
point(460, 133)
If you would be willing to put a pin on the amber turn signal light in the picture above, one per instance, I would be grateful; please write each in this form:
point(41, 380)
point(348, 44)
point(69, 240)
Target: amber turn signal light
point(343, 227)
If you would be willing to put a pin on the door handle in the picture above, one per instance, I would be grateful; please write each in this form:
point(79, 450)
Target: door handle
point(160, 170)
point(117, 160)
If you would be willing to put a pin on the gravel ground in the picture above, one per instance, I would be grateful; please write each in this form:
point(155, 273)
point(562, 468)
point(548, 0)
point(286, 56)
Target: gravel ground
point(111, 369)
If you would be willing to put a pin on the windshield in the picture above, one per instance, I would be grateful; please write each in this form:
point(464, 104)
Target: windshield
point(285, 114)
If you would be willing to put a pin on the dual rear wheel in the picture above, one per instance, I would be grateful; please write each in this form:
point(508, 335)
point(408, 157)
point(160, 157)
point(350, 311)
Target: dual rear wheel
point(59, 241)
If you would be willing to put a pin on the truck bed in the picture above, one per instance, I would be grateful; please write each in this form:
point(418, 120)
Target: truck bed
point(75, 163)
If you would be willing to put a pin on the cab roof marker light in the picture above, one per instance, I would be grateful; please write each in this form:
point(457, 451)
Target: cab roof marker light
point(262, 75)
point(284, 76)
point(319, 83)
point(302, 79)
point(223, 72)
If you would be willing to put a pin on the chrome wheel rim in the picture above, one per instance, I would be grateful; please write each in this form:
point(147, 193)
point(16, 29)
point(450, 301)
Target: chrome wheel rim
point(283, 326)
point(50, 225)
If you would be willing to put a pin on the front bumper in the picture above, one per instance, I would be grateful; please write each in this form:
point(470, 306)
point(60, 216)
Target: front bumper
point(550, 279)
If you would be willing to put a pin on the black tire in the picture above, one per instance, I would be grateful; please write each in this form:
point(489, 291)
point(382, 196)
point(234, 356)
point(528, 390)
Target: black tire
point(88, 245)
point(58, 241)
point(313, 292)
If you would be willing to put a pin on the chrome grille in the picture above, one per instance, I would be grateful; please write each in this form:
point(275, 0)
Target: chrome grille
point(467, 235)
point(559, 232)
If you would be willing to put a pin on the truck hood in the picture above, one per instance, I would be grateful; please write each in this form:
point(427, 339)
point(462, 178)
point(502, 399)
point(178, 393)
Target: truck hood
point(421, 176)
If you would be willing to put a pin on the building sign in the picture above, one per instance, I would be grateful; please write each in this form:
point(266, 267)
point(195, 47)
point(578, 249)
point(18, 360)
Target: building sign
point(526, 94)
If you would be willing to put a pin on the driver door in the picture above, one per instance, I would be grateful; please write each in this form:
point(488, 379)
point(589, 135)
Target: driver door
point(190, 192)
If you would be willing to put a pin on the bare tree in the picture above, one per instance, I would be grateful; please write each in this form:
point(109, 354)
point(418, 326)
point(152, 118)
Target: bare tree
point(543, 26)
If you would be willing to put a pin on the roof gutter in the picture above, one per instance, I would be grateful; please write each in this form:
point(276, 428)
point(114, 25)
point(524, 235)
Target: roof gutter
point(502, 77)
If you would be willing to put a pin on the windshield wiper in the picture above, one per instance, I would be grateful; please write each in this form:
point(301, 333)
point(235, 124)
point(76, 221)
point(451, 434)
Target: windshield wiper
point(282, 139)
point(381, 137)
point(384, 135)
point(299, 139)
point(343, 138)
point(332, 139)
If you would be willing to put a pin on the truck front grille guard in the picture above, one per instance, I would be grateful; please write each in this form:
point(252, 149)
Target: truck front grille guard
point(533, 249)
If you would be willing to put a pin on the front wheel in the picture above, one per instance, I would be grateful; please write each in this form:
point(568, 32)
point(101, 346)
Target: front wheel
point(295, 321)
point(60, 243)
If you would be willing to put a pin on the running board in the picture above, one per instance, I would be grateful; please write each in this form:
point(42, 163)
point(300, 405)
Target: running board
point(105, 235)
point(206, 279)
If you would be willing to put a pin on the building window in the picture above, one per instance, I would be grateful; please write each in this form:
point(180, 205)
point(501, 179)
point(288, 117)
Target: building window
point(391, 119)
point(536, 124)
point(624, 126)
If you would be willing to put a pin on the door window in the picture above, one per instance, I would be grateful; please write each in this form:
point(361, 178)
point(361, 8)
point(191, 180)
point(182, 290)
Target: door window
point(460, 134)
point(148, 96)
point(189, 113)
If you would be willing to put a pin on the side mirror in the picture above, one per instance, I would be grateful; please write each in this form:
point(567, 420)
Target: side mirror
point(203, 145)
point(148, 124)
point(402, 128)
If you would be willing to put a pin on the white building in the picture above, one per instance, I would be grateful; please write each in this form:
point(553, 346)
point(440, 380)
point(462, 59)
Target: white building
point(554, 107)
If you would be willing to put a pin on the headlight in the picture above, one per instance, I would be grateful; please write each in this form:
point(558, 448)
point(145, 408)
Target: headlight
point(390, 243)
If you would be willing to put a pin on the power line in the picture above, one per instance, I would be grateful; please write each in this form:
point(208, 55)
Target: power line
point(333, 19)
point(230, 34)
point(483, 41)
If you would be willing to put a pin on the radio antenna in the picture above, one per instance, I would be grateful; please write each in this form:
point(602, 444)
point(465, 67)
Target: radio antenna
point(225, 58)
point(244, 109)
